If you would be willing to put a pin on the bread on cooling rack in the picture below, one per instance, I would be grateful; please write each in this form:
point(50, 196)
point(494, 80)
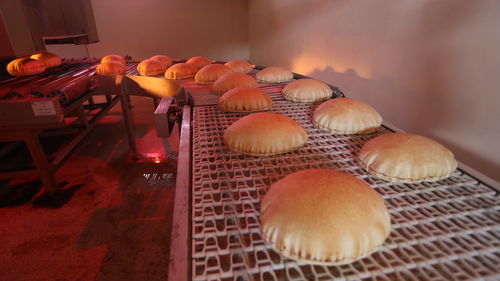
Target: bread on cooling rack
point(265, 133)
point(232, 80)
point(25, 67)
point(209, 73)
point(407, 158)
point(274, 74)
point(49, 59)
point(117, 58)
point(181, 71)
point(346, 116)
point(244, 99)
point(324, 217)
point(163, 59)
point(199, 61)
point(110, 68)
point(151, 67)
point(241, 66)
point(307, 90)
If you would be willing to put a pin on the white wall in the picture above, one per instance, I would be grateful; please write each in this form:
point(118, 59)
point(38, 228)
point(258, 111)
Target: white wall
point(217, 29)
point(429, 67)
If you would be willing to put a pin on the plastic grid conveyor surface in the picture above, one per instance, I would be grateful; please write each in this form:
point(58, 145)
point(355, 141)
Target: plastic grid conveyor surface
point(444, 230)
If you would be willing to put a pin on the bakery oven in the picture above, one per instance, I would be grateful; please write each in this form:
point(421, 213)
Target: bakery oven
point(442, 230)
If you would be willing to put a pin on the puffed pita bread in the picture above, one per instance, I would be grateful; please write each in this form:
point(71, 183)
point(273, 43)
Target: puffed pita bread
point(110, 68)
point(232, 80)
point(49, 59)
point(324, 217)
point(163, 59)
point(240, 66)
point(117, 58)
point(151, 67)
point(199, 61)
point(274, 74)
point(25, 67)
point(244, 99)
point(307, 90)
point(181, 71)
point(407, 158)
point(346, 116)
point(265, 133)
point(209, 73)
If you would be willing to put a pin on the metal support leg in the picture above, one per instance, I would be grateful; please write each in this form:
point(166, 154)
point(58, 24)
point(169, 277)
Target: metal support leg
point(82, 117)
point(127, 119)
point(41, 161)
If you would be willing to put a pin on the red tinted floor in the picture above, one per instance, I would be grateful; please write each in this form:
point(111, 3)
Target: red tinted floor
point(111, 221)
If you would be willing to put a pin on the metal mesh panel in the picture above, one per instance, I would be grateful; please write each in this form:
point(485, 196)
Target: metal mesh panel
point(445, 230)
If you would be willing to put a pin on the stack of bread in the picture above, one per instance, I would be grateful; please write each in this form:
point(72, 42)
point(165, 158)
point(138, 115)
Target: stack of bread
point(35, 64)
point(111, 65)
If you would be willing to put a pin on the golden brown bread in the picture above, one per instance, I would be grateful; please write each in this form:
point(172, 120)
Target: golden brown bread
point(274, 74)
point(110, 68)
point(117, 58)
point(25, 67)
point(265, 133)
point(244, 99)
point(232, 80)
point(407, 158)
point(346, 116)
point(240, 66)
point(307, 90)
point(199, 61)
point(151, 67)
point(324, 217)
point(49, 59)
point(163, 59)
point(180, 71)
point(209, 73)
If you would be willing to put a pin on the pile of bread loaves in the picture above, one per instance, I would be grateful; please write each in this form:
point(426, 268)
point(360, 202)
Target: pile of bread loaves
point(35, 64)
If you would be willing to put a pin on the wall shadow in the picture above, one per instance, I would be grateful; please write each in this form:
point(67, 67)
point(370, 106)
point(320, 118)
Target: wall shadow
point(434, 114)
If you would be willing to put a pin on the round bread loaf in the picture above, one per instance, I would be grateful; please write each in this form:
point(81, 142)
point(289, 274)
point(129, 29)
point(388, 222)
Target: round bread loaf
point(49, 59)
point(323, 217)
point(110, 68)
point(265, 133)
point(25, 67)
point(199, 61)
point(232, 80)
point(274, 74)
point(407, 158)
point(346, 116)
point(240, 66)
point(151, 67)
point(244, 99)
point(180, 71)
point(209, 73)
point(117, 58)
point(163, 59)
point(307, 90)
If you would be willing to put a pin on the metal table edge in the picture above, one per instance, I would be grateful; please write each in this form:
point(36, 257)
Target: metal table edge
point(179, 260)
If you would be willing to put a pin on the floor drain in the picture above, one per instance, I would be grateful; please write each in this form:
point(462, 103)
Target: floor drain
point(161, 180)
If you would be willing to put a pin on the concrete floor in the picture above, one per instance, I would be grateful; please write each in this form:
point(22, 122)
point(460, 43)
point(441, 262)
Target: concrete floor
point(111, 221)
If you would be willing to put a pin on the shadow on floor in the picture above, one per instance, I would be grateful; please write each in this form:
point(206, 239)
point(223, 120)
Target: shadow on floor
point(18, 194)
point(137, 231)
point(57, 199)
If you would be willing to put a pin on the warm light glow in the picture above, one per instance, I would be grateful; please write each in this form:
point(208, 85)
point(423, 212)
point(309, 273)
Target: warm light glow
point(312, 63)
